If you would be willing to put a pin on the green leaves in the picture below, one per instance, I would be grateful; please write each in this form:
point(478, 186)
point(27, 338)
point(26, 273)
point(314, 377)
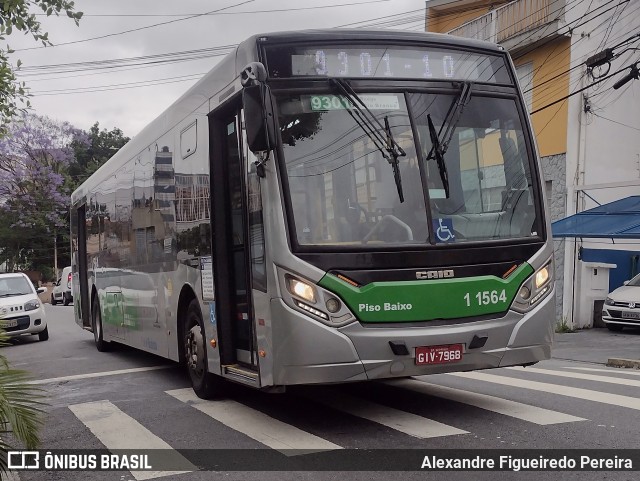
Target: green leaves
point(21, 408)
point(14, 14)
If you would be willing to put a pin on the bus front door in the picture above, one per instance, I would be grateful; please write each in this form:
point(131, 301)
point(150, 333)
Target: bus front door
point(230, 244)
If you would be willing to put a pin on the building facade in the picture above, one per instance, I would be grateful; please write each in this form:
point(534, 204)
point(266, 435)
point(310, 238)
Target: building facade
point(587, 131)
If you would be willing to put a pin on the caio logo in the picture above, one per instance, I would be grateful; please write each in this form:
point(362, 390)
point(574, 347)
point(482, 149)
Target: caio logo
point(442, 274)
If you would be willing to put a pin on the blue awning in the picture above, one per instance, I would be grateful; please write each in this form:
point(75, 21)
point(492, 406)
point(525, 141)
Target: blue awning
point(616, 220)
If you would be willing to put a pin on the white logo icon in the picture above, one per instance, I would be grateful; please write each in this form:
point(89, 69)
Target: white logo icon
point(443, 232)
point(23, 459)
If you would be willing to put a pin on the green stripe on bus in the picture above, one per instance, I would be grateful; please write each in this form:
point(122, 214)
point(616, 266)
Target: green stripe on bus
point(426, 300)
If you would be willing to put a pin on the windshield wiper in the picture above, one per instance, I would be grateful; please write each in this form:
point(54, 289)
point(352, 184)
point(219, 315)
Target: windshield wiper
point(371, 126)
point(449, 124)
point(12, 294)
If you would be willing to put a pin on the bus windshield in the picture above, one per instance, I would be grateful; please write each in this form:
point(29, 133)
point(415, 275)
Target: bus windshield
point(342, 190)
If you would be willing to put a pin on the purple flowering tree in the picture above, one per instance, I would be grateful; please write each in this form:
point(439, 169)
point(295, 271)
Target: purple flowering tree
point(34, 194)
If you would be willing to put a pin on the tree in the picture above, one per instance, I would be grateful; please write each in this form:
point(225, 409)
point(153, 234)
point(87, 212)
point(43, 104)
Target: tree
point(91, 150)
point(15, 15)
point(34, 192)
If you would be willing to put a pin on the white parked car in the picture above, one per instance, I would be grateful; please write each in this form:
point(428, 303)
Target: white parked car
point(62, 289)
point(622, 306)
point(21, 311)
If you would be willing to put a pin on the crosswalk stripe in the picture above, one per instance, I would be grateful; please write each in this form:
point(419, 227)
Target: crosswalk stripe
point(92, 375)
point(611, 370)
point(117, 430)
point(498, 405)
point(259, 426)
point(574, 392)
point(577, 375)
point(405, 422)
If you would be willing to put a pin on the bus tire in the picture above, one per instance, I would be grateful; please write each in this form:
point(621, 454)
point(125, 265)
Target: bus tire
point(96, 324)
point(205, 384)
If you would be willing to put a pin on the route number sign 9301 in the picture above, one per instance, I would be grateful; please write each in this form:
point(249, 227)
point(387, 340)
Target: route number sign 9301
point(486, 298)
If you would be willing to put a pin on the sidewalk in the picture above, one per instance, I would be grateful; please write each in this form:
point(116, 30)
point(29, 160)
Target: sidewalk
point(598, 346)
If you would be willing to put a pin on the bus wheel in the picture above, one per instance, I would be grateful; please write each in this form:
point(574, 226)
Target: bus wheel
point(96, 321)
point(204, 384)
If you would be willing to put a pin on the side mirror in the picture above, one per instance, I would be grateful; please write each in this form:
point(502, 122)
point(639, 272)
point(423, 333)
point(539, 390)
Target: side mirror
point(625, 283)
point(258, 108)
point(41, 290)
point(258, 118)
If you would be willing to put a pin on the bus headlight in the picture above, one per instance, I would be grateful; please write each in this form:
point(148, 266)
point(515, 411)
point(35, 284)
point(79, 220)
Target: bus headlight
point(312, 300)
point(534, 289)
point(542, 277)
point(301, 289)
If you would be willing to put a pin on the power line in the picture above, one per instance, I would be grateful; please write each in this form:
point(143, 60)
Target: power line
point(137, 29)
point(583, 89)
point(141, 83)
point(580, 61)
point(616, 122)
point(553, 92)
point(222, 13)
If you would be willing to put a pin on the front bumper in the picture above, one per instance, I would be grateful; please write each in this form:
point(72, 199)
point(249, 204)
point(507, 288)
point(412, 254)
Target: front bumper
point(27, 323)
point(310, 352)
point(621, 315)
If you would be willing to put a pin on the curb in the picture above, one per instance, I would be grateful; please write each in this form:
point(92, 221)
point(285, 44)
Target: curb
point(629, 363)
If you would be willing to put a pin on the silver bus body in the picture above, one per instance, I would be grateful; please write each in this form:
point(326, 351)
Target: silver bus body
point(154, 230)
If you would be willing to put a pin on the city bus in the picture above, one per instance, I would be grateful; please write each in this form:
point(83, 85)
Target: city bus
point(325, 206)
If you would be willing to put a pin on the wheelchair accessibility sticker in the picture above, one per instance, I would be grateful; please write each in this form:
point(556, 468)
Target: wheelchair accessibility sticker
point(444, 230)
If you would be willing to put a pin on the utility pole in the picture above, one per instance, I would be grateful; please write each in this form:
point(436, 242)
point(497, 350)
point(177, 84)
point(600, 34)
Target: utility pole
point(55, 253)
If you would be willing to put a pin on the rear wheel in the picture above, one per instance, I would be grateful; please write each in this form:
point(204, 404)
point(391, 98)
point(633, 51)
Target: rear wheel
point(614, 327)
point(205, 384)
point(43, 335)
point(65, 298)
point(96, 321)
point(53, 300)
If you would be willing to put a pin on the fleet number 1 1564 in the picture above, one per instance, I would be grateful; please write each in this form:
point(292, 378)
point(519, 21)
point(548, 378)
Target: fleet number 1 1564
point(484, 298)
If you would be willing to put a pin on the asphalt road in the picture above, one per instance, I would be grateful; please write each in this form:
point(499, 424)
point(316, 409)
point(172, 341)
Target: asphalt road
point(128, 399)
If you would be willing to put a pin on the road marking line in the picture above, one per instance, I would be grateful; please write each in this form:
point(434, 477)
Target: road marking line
point(263, 428)
point(577, 375)
point(97, 374)
point(405, 422)
point(574, 392)
point(117, 430)
point(525, 412)
point(611, 370)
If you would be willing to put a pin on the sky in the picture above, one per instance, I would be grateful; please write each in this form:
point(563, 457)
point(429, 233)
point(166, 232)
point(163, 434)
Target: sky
point(83, 96)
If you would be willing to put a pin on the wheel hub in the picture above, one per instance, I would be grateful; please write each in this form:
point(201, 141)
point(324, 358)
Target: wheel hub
point(195, 350)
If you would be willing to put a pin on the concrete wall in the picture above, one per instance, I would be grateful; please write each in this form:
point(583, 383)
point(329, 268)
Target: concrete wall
point(623, 259)
point(554, 173)
point(548, 61)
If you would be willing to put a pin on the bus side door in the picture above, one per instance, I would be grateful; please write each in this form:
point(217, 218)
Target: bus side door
point(231, 241)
